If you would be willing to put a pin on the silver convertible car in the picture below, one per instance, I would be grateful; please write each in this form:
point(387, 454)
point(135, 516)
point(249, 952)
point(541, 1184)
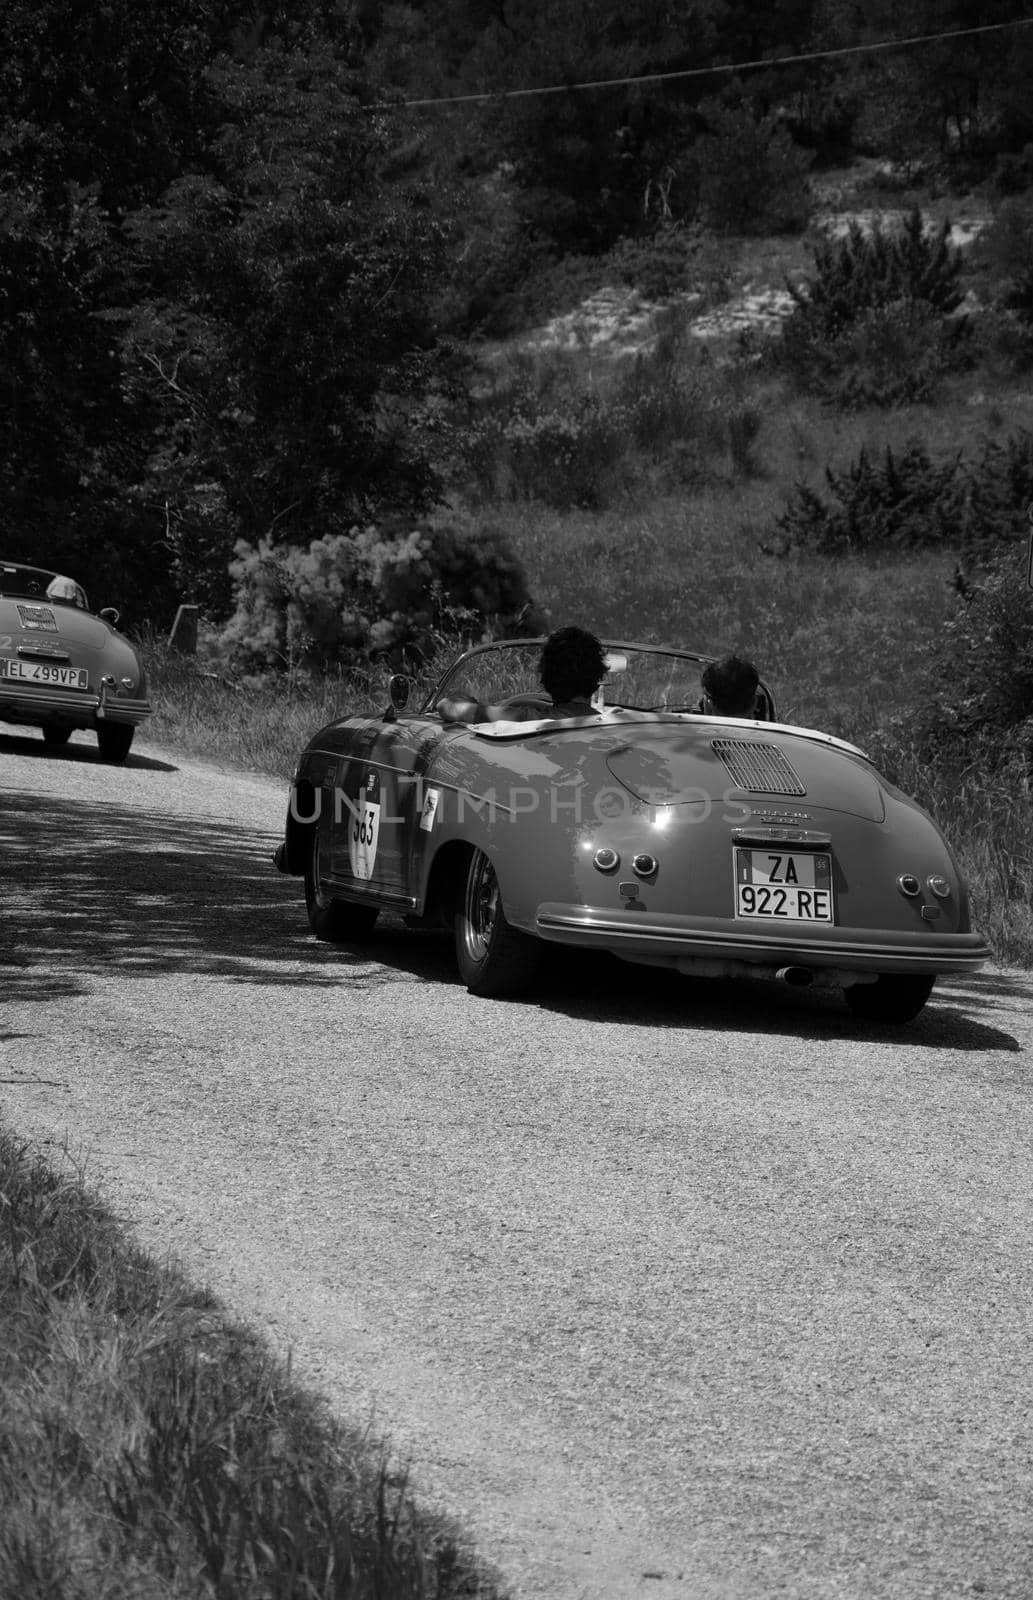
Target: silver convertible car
point(63, 668)
point(714, 846)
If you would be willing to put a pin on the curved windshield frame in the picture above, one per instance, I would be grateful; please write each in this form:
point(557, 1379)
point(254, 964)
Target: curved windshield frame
point(20, 582)
point(640, 677)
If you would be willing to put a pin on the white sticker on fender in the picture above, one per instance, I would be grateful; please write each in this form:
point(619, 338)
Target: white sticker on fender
point(364, 828)
point(430, 809)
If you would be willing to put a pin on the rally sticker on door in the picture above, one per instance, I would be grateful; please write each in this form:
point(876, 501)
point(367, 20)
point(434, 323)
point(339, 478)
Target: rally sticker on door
point(364, 828)
point(430, 809)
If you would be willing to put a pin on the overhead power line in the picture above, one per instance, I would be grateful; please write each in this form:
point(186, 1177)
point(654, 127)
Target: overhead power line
point(705, 72)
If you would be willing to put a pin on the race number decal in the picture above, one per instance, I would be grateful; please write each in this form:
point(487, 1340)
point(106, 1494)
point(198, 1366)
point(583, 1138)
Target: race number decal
point(364, 828)
point(430, 809)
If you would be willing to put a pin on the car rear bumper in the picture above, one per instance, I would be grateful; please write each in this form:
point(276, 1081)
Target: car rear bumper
point(71, 707)
point(667, 938)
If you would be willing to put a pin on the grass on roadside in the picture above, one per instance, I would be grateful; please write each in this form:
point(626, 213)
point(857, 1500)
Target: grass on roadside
point(152, 1449)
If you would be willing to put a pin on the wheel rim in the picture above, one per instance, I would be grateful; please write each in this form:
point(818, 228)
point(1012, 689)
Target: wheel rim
point(481, 907)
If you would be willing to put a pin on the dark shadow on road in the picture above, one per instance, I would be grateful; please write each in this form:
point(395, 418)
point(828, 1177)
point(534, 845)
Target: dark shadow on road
point(92, 889)
point(615, 991)
point(75, 753)
point(134, 891)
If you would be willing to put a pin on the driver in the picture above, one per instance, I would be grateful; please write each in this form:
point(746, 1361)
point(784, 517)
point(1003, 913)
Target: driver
point(571, 668)
point(66, 591)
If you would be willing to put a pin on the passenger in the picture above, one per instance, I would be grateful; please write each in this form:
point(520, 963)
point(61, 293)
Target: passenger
point(729, 688)
point(571, 668)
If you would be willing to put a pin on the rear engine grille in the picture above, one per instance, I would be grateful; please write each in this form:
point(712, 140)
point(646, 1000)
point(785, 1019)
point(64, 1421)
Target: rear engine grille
point(758, 768)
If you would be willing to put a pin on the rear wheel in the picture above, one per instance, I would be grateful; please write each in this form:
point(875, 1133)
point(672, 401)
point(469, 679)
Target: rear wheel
point(893, 997)
point(114, 740)
point(54, 734)
point(336, 921)
point(494, 959)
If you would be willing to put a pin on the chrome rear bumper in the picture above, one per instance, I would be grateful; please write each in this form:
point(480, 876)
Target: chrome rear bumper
point(666, 938)
point(72, 707)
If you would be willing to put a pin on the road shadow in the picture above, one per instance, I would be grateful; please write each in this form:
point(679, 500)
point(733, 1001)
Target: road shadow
point(613, 991)
point(594, 987)
point(92, 889)
point(75, 753)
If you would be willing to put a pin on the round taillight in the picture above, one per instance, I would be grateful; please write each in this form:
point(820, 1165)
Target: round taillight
point(908, 884)
point(606, 859)
point(644, 865)
point(939, 887)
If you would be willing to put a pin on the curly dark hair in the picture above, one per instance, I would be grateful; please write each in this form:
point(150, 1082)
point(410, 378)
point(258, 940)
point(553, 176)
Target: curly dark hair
point(731, 684)
point(573, 664)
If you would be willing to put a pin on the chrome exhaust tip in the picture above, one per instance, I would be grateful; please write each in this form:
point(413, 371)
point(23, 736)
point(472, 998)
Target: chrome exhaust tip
point(796, 977)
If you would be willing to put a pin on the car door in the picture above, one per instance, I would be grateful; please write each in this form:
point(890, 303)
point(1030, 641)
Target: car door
point(378, 802)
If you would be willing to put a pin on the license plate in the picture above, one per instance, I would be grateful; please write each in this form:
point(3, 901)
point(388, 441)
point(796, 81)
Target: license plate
point(44, 672)
point(783, 885)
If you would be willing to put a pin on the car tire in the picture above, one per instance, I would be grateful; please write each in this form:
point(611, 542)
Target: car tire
point(495, 961)
point(114, 740)
point(893, 997)
point(334, 921)
point(54, 734)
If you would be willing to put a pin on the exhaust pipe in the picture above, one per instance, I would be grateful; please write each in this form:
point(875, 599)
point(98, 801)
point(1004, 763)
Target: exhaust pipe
point(796, 977)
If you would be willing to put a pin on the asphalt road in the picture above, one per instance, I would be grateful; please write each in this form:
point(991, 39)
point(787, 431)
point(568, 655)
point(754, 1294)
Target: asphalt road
point(666, 1288)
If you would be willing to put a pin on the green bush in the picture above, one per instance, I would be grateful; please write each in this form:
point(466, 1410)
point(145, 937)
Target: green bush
point(875, 323)
point(753, 177)
point(1005, 250)
point(1014, 171)
point(978, 702)
point(891, 355)
point(373, 590)
point(905, 500)
point(552, 429)
point(541, 432)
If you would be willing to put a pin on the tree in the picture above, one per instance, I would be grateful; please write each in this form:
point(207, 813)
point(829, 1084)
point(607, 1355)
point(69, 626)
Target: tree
point(222, 330)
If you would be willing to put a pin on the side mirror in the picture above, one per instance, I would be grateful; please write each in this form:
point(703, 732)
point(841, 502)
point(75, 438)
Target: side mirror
point(110, 615)
point(399, 688)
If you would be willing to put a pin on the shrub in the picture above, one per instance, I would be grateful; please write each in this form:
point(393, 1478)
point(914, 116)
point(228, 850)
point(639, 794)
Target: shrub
point(1005, 249)
point(662, 264)
point(1014, 171)
point(369, 590)
point(891, 355)
point(906, 500)
point(979, 700)
point(543, 433)
point(551, 429)
point(875, 324)
point(865, 270)
point(753, 178)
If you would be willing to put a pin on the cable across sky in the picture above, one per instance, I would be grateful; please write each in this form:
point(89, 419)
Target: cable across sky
point(499, 95)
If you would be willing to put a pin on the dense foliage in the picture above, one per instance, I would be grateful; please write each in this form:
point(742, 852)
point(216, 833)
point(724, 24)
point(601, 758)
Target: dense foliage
point(876, 323)
point(905, 500)
point(213, 318)
point(369, 591)
point(231, 257)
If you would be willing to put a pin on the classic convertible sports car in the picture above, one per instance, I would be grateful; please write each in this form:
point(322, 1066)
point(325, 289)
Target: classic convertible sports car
point(63, 668)
point(710, 845)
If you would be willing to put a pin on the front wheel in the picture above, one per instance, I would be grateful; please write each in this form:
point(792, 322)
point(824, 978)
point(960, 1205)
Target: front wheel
point(114, 740)
point(495, 961)
point(335, 921)
point(893, 997)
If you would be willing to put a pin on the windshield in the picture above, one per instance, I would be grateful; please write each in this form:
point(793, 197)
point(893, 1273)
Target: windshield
point(638, 678)
point(25, 583)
